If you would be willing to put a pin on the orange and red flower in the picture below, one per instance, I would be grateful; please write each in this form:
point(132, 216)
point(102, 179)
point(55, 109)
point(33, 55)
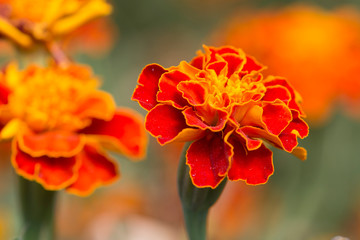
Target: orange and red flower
point(60, 125)
point(221, 101)
point(24, 21)
point(317, 50)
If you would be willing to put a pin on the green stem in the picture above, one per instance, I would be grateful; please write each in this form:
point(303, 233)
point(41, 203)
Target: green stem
point(37, 211)
point(196, 202)
point(195, 223)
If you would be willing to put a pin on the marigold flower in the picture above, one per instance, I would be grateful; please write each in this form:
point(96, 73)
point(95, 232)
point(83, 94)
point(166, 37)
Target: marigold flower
point(307, 45)
point(221, 101)
point(61, 124)
point(24, 21)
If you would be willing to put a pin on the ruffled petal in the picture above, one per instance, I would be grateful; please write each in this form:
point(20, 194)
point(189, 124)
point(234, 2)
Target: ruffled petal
point(234, 63)
point(194, 92)
point(52, 144)
point(96, 169)
point(295, 97)
point(276, 117)
point(220, 68)
point(193, 120)
point(277, 92)
point(298, 126)
point(252, 116)
point(251, 144)
point(168, 88)
point(238, 112)
point(52, 173)
point(186, 68)
point(212, 116)
point(167, 124)
point(208, 159)
point(251, 65)
point(224, 50)
point(253, 167)
point(124, 133)
point(198, 62)
point(286, 141)
point(99, 105)
point(148, 86)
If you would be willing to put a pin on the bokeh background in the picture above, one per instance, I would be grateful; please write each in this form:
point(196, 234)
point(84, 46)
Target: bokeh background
point(315, 44)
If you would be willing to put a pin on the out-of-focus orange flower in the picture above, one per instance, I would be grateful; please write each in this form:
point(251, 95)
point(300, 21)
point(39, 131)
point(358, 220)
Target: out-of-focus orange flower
point(317, 51)
point(95, 38)
point(60, 125)
point(221, 101)
point(24, 21)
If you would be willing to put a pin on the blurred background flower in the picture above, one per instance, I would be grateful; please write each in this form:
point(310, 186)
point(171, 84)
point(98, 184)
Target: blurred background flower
point(317, 49)
point(95, 38)
point(316, 199)
point(24, 21)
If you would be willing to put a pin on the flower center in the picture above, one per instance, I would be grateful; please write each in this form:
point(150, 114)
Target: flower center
point(46, 99)
point(225, 91)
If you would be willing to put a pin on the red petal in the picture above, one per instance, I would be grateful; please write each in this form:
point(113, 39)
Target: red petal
point(271, 81)
point(218, 67)
point(124, 133)
point(193, 120)
point(277, 92)
point(52, 173)
point(225, 50)
point(254, 167)
point(234, 61)
point(297, 128)
point(165, 123)
point(251, 65)
point(251, 144)
point(276, 117)
point(215, 118)
point(96, 169)
point(145, 92)
point(4, 93)
point(168, 88)
point(298, 125)
point(193, 91)
point(198, 62)
point(208, 159)
point(239, 111)
point(286, 141)
point(52, 143)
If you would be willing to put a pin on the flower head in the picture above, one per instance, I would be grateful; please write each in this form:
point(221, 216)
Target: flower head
point(221, 101)
point(60, 125)
point(318, 50)
point(24, 21)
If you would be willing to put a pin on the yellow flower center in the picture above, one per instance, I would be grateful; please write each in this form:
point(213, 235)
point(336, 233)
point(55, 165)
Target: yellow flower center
point(49, 98)
point(225, 91)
